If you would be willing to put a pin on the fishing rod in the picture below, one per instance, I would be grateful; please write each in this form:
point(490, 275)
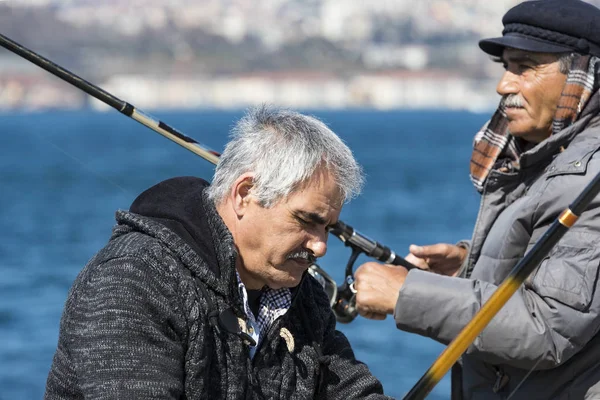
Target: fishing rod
point(343, 300)
point(503, 293)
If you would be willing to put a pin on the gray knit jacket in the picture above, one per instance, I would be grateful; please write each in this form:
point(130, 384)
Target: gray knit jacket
point(142, 319)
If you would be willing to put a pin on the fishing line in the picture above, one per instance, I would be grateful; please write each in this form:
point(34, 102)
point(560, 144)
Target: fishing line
point(88, 169)
point(524, 378)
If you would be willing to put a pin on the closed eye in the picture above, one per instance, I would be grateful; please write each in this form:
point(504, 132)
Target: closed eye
point(310, 218)
point(304, 222)
point(311, 221)
point(516, 64)
point(523, 67)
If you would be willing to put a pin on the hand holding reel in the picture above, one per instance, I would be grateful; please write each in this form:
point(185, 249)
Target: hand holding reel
point(342, 298)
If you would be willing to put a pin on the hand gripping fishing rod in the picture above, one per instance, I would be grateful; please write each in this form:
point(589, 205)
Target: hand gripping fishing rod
point(342, 297)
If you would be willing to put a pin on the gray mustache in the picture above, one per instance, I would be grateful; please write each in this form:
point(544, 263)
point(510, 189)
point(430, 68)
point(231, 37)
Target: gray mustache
point(305, 255)
point(511, 100)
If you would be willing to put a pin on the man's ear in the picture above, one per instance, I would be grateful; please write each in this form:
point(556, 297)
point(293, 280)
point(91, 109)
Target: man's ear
point(241, 193)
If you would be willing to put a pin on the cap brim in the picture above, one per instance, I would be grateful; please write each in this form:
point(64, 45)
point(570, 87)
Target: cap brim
point(495, 46)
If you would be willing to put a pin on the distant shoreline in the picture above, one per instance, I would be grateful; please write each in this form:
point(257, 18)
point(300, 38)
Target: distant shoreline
point(391, 90)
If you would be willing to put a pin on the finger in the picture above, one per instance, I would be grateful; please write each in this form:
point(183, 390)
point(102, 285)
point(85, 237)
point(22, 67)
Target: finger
point(439, 250)
point(419, 262)
point(363, 273)
point(373, 315)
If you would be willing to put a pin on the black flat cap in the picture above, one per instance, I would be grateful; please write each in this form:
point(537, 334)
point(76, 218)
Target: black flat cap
point(549, 26)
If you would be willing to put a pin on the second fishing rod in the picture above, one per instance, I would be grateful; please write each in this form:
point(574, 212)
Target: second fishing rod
point(341, 296)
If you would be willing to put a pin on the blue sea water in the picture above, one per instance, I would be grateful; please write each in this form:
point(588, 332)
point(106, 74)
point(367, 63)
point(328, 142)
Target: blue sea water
point(63, 175)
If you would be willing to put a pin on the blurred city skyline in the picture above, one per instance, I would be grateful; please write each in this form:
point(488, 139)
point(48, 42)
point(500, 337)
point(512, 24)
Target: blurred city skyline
point(233, 53)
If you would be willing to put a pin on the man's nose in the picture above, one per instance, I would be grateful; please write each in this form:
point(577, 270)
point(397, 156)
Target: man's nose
point(508, 84)
point(317, 244)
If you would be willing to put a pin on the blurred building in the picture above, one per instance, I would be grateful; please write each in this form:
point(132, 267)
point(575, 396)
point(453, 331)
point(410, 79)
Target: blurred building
point(232, 53)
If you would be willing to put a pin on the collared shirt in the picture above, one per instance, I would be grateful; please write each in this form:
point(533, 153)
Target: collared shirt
point(273, 304)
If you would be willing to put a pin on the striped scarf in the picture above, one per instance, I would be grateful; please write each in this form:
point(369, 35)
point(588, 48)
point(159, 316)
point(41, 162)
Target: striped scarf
point(495, 148)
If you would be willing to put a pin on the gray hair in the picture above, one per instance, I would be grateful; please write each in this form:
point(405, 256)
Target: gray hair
point(283, 149)
point(564, 62)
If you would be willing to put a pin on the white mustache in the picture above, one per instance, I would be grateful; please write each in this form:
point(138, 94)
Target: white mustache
point(511, 100)
point(305, 255)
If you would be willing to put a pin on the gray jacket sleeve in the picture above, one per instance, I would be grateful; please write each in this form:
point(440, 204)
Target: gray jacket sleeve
point(120, 336)
point(553, 315)
point(545, 322)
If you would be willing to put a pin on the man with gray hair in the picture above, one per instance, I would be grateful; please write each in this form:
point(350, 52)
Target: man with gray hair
point(536, 154)
point(202, 290)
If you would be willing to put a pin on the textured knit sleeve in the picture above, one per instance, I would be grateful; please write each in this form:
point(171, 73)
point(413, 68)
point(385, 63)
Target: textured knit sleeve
point(346, 378)
point(121, 335)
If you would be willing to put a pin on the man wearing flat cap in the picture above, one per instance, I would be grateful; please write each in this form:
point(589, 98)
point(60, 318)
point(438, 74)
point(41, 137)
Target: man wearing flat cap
point(530, 161)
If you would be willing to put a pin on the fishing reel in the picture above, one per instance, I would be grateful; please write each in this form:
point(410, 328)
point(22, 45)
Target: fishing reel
point(342, 298)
